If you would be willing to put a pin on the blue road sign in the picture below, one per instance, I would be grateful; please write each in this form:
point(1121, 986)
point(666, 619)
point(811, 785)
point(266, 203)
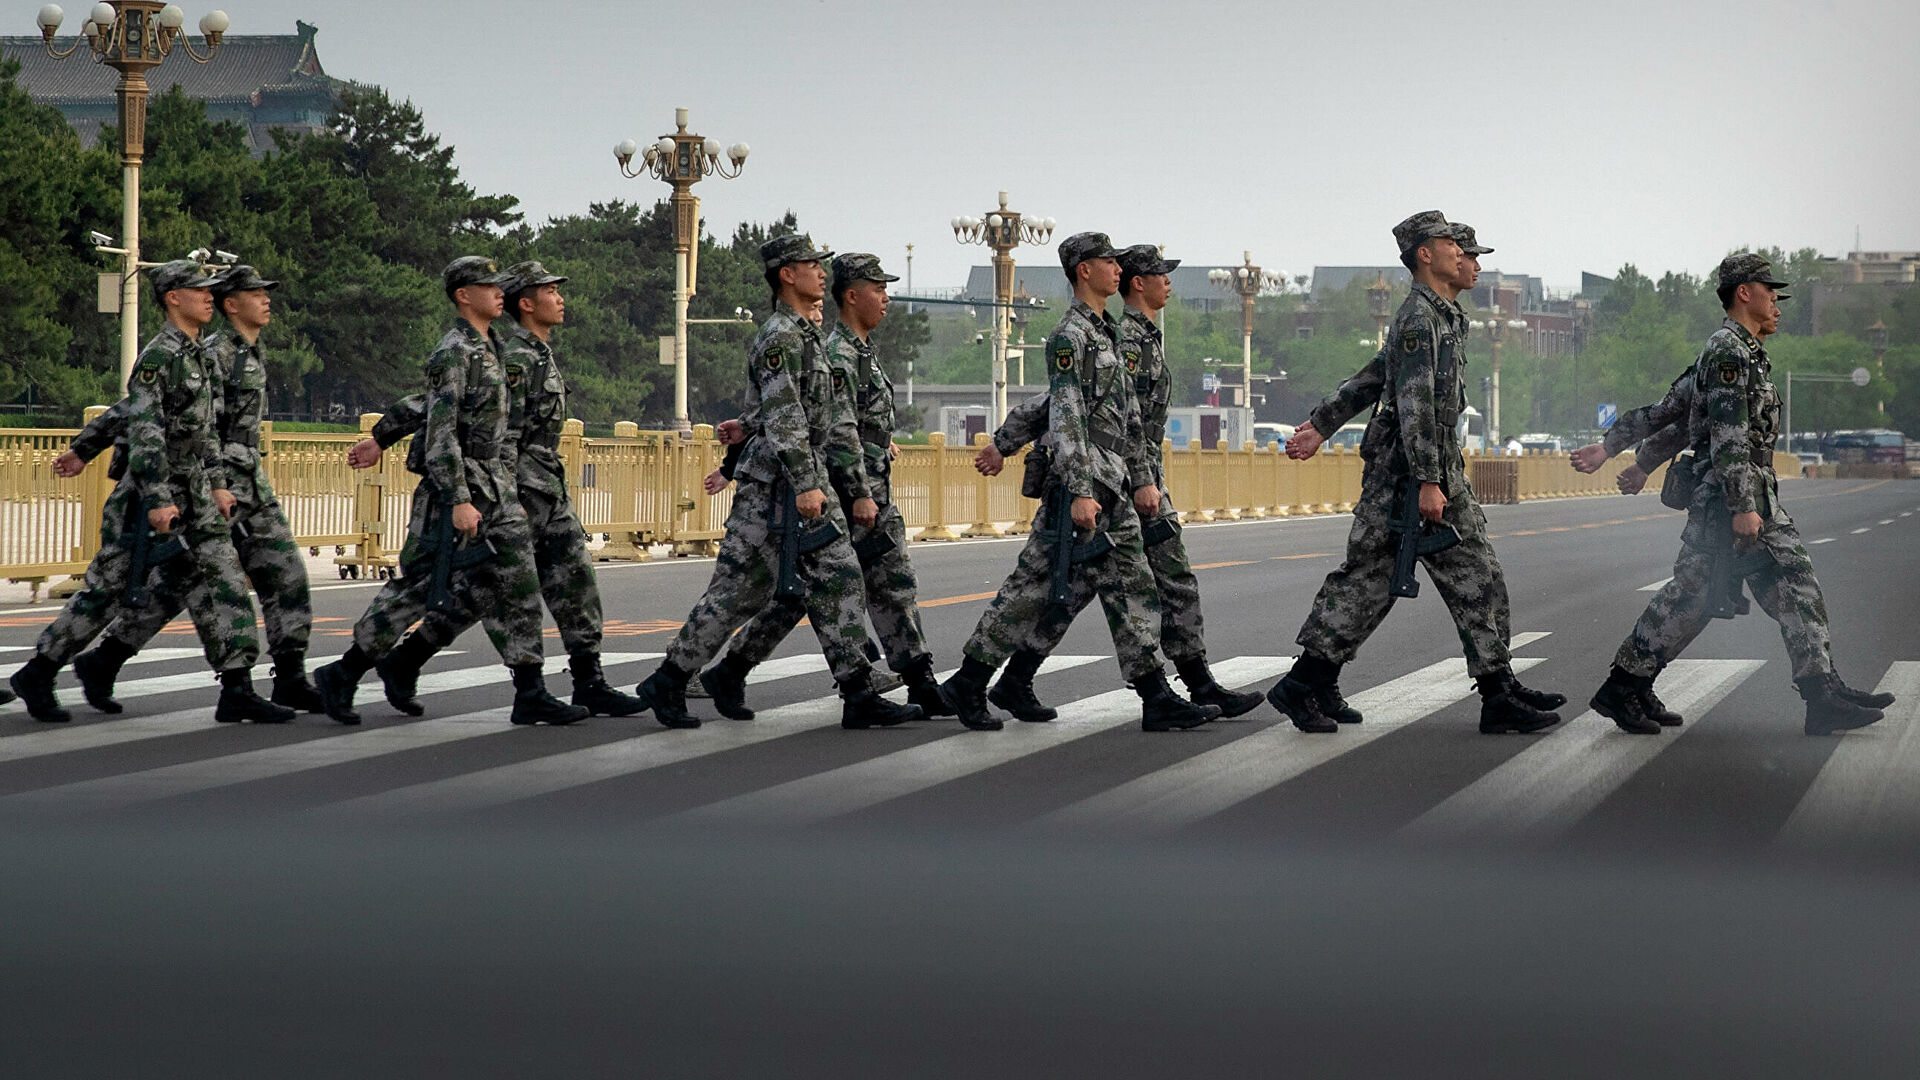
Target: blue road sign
point(1608, 414)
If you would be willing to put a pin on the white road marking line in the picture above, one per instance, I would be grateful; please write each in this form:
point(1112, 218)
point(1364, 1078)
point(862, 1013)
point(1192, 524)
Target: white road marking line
point(1906, 513)
point(1558, 780)
point(201, 679)
point(1857, 532)
point(1656, 586)
point(1889, 521)
point(1528, 637)
point(904, 772)
point(1824, 540)
point(1870, 786)
point(574, 768)
point(1206, 784)
point(59, 739)
point(786, 667)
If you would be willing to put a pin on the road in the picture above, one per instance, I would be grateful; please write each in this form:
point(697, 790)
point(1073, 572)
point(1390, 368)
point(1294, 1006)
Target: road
point(1407, 893)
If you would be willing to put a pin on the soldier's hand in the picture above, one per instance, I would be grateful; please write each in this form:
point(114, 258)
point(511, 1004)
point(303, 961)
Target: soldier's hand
point(1146, 500)
point(466, 519)
point(1304, 443)
point(893, 450)
point(1433, 503)
point(730, 432)
point(989, 461)
point(1589, 458)
point(715, 482)
point(161, 518)
point(865, 513)
point(1746, 526)
point(1085, 511)
point(68, 464)
point(224, 501)
point(364, 454)
point(1631, 480)
point(811, 503)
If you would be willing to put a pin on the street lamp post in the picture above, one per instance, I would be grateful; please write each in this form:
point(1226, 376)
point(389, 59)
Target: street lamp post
point(1877, 341)
point(1248, 281)
point(1002, 230)
point(1496, 329)
point(1380, 306)
point(682, 159)
point(132, 36)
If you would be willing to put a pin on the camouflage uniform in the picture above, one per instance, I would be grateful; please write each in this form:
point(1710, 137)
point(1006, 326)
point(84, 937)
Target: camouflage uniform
point(464, 455)
point(268, 554)
point(1413, 434)
point(537, 409)
point(798, 435)
point(1096, 442)
point(863, 396)
point(173, 459)
point(1733, 419)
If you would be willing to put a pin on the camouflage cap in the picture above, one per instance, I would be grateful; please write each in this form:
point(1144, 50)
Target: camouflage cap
point(787, 250)
point(1463, 235)
point(240, 278)
point(1420, 228)
point(1744, 267)
point(522, 276)
point(471, 270)
point(180, 274)
point(858, 266)
point(1144, 259)
point(1080, 247)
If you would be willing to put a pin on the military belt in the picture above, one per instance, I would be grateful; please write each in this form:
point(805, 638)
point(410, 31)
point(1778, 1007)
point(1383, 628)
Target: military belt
point(480, 447)
point(1109, 442)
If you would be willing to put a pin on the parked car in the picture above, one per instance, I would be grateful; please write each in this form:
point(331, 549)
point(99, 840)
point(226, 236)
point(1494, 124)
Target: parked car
point(1272, 433)
point(1870, 446)
point(1539, 441)
point(1349, 436)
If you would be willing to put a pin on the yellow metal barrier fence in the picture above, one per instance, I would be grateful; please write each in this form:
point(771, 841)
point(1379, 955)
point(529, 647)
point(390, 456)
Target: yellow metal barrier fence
point(641, 488)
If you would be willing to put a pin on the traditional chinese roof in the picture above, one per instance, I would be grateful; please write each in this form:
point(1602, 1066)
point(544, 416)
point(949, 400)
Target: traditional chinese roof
point(245, 68)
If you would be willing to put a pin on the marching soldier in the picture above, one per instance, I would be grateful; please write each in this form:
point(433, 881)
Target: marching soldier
point(261, 533)
point(1736, 528)
point(1413, 441)
point(1101, 472)
point(175, 480)
point(469, 548)
point(1146, 287)
point(863, 397)
point(796, 448)
point(536, 412)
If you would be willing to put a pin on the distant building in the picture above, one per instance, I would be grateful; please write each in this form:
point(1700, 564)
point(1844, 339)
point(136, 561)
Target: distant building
point(1047, 282)
point(1328, 280)
point(259, 81)
point(1871, 268)
point(1555, 327)
point(1848, 293)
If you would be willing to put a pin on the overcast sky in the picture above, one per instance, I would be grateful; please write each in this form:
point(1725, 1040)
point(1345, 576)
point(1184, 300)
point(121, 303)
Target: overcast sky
point(1574, 136)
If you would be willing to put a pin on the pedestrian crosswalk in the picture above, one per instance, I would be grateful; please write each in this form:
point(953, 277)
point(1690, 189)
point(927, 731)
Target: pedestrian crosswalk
point(1868, 786)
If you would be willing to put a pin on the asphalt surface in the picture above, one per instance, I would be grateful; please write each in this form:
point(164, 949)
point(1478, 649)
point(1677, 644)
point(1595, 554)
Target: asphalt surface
point(454, 896)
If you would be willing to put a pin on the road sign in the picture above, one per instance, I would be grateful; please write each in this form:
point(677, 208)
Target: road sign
point(1608, 414)
point(1861, 376)
point(1209, 382)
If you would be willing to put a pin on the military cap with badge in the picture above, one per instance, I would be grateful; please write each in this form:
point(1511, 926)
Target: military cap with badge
point(1144, 260)
point(1080, 247)
point(531, 274)
point(471, 270)
point(1468, 241)
point(180, 274)
point(1420, 228)
point(241, 278)
point(1735, 270)
point(789, 250)
point(858, 266)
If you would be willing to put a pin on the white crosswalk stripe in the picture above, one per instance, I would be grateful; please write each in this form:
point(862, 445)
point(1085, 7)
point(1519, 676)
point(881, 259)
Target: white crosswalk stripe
point(1557, 781)
point(54, 739)
point(197, 679)
point(1870, 786)
point(890, 776)
point(786, 667)
point(1656, 586)
point(658, 747)
point(1206, 784)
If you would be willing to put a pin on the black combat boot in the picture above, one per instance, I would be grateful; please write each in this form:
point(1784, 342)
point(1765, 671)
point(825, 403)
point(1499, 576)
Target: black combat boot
point(1828, 710)
point(1866, 699)
point(1013, 691)
point(1544, 700)
point(1502, 712)
point(337, 681)
point(862, 708)
point(726, 684)
point(966, 694)
point(1205, 690)
point(923, 691)
point(592, 692)
point(98, 667)
point(883, 679)
point(1623, 699)
point(238, 701)
point(665, 692)
point(533, 704)
point(1657, 709)
point(400, 671)
point(1303, 694)
point(34, 683)
point(290, 685)
point(1163, 710)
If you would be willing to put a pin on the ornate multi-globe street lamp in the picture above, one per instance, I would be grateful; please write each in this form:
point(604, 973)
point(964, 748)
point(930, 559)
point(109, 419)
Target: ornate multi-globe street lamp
point(1002, 230)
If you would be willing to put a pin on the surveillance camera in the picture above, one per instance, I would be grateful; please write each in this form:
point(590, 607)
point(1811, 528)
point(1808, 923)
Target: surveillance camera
point(227, 257)
point(199, 254)
point(978, 338)
point(99, 239)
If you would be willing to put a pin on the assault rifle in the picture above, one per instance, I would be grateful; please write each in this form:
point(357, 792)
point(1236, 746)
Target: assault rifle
point(1729, 564)
point(1417, 538)
point(450, 553)
point(1068, 549)
point(144, 553)
point(797, 539)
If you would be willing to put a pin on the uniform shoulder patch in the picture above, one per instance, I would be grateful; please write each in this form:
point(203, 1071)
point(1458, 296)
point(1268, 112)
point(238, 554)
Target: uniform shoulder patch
point(1731, 371)
point(148, 375)
point(839, 379)
point(1132, 357)
point(514, 372)
point(774, 358)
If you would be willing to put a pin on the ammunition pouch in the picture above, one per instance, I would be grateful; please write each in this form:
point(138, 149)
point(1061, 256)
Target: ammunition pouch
point(1676, 491)
point(1159, 530)
point(873, 545)
point(1033, 482)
